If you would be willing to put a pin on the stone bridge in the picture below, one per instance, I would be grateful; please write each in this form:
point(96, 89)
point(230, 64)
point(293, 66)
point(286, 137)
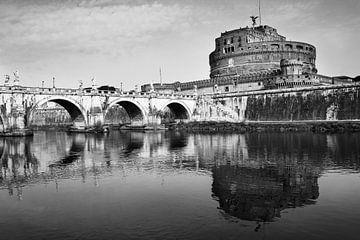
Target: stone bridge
point(88, 107)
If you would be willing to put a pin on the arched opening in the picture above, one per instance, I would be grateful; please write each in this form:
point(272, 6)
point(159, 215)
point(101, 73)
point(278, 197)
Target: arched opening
point(275, 46)
point(57, 112)
point(117, 116)
point(299, 47)
point(124, 112)
point(288, 46)
point(175, 111)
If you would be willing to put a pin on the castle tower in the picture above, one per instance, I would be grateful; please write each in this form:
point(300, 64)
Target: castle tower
point(261, 48)
point(291, 67)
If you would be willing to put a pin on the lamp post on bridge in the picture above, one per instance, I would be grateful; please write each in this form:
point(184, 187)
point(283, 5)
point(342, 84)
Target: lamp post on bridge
point(53, 82)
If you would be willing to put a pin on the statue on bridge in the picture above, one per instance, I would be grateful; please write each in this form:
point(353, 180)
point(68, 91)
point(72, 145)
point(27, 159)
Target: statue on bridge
point(81, 84)
point(93, 83)
point(17, 78)
point(7, 80)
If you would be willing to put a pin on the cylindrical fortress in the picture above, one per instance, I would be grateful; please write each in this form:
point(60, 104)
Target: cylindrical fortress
point(248, 50)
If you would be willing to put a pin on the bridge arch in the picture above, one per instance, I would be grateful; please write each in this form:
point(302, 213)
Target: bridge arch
point(179, 109)
point(75, 109)
point(133, 108)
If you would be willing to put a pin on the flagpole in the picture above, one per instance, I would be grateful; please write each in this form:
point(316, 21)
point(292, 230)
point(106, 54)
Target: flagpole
point(260, 12)
point(160, 77)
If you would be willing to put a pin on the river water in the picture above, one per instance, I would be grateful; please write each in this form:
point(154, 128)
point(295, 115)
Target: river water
point(172, 185)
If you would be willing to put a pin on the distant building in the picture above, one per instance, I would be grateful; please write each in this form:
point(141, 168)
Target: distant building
point(254, 58)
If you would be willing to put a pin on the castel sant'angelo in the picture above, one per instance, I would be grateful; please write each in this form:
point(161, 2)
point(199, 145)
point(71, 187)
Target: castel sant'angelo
point(257, 49)
point(255, 58)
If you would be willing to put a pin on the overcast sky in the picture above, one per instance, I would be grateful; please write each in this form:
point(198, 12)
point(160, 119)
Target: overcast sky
point(129, 40)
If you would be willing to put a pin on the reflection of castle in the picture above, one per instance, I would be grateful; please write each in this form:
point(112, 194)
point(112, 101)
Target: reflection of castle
point(255, 176)
point(261, 193)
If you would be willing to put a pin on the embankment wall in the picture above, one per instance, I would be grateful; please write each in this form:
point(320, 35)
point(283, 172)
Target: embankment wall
point(328, 104)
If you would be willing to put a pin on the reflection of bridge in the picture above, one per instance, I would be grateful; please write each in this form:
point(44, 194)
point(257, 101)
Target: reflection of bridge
point(255, 176)
point(88, 108)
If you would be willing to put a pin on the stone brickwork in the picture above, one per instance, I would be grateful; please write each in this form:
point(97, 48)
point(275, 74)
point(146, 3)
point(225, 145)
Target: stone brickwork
point(325, 103)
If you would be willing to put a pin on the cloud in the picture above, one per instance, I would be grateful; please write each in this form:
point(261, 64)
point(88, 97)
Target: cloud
point(101, 27)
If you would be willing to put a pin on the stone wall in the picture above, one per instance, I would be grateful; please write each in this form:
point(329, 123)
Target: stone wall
point(316, 103)
point(333, 104)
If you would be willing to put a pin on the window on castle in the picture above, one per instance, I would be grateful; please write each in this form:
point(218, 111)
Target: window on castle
point(226, 89)
point(232, 40)
point(224, 41)
point(239, 39)
point(288, 46)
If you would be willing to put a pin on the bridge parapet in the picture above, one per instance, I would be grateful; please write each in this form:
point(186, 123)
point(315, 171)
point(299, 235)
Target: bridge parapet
point(88, 92)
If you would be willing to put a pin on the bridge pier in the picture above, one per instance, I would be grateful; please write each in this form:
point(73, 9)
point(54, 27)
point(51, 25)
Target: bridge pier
point(96, 120)
point(15, 124)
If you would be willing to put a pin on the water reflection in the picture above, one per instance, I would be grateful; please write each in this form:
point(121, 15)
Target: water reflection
point(76, 150)
point(261, 193)
point(255, 176)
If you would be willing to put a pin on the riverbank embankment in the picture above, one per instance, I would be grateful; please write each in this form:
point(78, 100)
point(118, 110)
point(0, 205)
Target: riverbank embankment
point(267, 126)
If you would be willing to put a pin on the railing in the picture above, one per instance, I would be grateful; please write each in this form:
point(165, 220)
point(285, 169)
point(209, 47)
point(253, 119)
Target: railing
point(283, 90)
point(86, 92)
